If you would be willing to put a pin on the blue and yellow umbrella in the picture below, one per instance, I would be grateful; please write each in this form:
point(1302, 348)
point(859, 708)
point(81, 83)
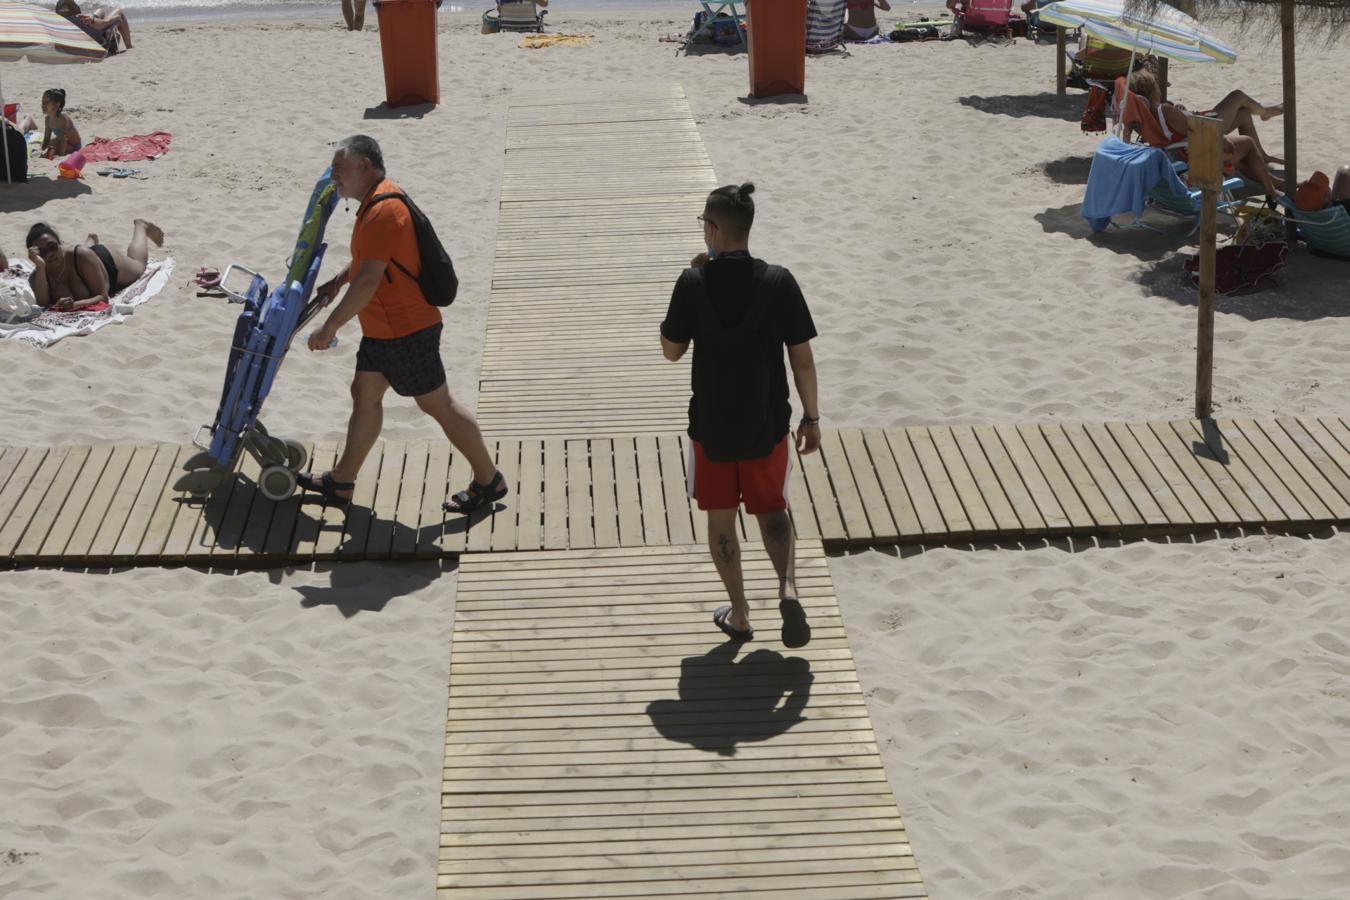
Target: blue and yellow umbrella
point(1164, 31)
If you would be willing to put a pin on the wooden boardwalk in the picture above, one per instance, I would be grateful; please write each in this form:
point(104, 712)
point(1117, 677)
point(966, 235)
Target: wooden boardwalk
point(116, 504)
point(604, 740)
point(599, 205)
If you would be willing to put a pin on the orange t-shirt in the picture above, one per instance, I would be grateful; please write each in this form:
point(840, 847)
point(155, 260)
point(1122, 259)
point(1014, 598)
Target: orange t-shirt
point(385, 234)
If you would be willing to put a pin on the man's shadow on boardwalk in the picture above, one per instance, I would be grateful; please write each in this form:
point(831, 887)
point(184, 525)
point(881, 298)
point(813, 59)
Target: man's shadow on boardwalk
point(724, 702)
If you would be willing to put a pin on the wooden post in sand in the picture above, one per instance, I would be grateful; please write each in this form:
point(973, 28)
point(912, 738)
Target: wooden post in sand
point(1287, 22)
point(1061, 76)
point(1205, 149)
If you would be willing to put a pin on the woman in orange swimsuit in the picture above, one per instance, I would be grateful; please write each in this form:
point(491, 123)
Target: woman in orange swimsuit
point(862, 19)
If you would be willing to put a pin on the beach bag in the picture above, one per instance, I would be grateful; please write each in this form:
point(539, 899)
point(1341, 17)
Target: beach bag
point(1243, 266)
point(17, 303)
point(907, 33)
point(437, 281)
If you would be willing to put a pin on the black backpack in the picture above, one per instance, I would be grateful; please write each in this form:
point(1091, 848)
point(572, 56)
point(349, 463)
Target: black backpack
point(437, 282)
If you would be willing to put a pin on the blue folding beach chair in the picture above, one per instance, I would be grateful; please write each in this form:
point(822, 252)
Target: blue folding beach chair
point(262, 335)
point(719, 22)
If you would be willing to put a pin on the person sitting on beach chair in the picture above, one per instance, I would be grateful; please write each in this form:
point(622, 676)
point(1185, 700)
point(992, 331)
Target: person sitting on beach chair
point(1161, 124)
point(104, 24)
point(862, 19)
point(521, 15)
point(67, 278)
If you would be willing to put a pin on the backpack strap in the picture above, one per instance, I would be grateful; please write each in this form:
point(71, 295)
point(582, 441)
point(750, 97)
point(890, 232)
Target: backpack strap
point(380, 198)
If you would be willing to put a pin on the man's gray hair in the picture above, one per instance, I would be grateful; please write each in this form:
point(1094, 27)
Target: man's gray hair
point(364, 146)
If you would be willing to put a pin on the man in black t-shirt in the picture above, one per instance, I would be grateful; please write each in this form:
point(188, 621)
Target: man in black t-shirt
point(740, 313)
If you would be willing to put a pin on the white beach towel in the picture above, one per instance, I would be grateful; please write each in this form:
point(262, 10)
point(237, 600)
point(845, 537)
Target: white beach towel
point(46, 328)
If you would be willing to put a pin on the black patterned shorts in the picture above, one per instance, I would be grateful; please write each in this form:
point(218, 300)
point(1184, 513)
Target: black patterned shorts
point(411, 364)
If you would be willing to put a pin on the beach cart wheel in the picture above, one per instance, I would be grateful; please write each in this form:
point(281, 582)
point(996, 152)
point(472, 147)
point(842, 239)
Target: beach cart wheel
point(297, 457)
point(277, 483)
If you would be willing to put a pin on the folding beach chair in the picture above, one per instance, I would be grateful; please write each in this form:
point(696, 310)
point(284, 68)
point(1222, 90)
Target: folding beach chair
point(262, 336)
point(985, 17)
point(1187, 206)
point(1325, 231)
point(519, 15)
point(719, 22)
point(825, 25)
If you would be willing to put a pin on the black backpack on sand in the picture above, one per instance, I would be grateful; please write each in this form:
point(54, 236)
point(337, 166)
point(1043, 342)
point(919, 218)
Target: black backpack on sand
point(437, 282)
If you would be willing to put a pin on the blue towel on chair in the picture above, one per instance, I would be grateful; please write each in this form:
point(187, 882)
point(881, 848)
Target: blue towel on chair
point(1120, 178)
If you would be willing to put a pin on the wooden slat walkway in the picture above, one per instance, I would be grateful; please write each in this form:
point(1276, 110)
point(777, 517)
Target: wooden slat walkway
point(604, 740)
point(116, 503)
point(599, 201)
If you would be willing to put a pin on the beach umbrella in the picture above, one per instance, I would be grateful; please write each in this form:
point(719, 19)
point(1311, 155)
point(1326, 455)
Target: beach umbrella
point(1159, 30)
point(40, 35)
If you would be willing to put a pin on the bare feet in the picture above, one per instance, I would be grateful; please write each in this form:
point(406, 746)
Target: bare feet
point(91, 239)
point(152, 231)
point(1270, 112)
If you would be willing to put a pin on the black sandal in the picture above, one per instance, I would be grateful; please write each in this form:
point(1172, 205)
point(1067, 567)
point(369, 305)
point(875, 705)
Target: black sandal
point(476, 496)
point(325, 485)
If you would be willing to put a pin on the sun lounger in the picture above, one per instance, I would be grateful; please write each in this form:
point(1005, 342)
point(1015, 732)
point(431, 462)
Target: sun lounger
point(1325, 231)
point(825, 25)
point(262, 335)
point(1133, 177)
point(519, 15)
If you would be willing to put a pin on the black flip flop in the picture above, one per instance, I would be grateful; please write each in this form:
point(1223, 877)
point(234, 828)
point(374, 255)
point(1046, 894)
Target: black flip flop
point(476, 496)
point(720, 620)
point(325, 485)
point(796, 630)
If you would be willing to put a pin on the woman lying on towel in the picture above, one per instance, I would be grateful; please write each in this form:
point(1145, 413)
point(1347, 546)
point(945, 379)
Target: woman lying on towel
point(86, 276)
point(1166, 125)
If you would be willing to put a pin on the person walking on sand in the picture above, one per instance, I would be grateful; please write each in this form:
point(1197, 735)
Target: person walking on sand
point(401, 333)
point(354, 11)
point(740, 312)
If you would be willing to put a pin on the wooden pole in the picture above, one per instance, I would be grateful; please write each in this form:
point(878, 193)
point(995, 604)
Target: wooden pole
point(1061, 51)
point(1205, 149)
point(1287, 23)
point(1162, 77)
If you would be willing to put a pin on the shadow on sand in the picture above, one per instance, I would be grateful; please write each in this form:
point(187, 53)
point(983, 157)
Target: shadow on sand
point(23, 196)
point(1050, 105)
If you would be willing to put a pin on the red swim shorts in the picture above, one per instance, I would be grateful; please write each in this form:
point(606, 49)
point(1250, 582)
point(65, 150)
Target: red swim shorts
point(761, 484)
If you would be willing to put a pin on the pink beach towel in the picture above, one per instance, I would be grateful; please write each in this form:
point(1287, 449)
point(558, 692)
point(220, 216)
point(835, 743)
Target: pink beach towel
point(127, 149)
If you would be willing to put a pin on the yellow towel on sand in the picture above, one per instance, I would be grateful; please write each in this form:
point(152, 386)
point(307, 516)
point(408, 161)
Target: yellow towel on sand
point(535, 41)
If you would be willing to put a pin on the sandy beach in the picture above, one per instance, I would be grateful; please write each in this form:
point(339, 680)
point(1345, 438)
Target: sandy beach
point(1162, 719)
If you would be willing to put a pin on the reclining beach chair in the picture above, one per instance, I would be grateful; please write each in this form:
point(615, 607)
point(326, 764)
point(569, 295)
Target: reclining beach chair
point(1325, 231)
point(1187, 206)
point(262, 335)
point(519, 15)
point(715, 16)
point(1133, 178)
point(825, 25)
point(984, 17)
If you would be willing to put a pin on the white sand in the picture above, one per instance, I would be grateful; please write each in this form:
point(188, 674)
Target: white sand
point(1148, 721)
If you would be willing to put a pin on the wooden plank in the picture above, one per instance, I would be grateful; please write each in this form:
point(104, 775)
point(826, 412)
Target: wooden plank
point(23, 466)
point(361, 511)
point(529, 498)
point(1149, 494)
point(89, 523)
point(223, 536)
point(987, 482)
point(857, 528)
point(803, 511)
point(654, 527)
point(823, 501)
point(1099, 480)
point(604, 500)
point(408, 516)
point(1038, 487)
point(157, 507)
point(1060, 483)
point(555, 493)
point(83, 502)
point(1208, 438)
point(332, 517)
point(480, 521)
point(1332, 460)
point(627, 492)
point(898, 501)
point(679, 517)
point(24, 492)
point(456, 530)
point(389, 485)
point(926, 507)
point(284, 533)
point(309, 515)
point(973, 501)
point(580, 517)
point(1317, 495)
point(137, 469)
point(505, 533)
point(1238, 492)
point(1166, 484)
point(53, 500)
point(1183, 457)
point(1014, 489)
point(948, 500)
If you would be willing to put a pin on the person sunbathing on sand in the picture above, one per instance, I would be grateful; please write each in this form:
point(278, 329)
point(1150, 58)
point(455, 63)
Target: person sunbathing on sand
point(99, 21)
point(1242, 151)
point(76, 277)
point(862, 19)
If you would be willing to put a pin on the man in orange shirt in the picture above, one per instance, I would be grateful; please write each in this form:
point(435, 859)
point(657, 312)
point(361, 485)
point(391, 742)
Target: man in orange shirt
point(401, 334)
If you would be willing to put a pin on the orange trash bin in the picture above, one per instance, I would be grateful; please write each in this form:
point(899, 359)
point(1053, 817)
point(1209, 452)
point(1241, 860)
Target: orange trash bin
point(776, 35)
point(408, 45)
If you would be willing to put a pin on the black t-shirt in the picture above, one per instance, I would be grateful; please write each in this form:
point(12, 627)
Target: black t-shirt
point(740, 313)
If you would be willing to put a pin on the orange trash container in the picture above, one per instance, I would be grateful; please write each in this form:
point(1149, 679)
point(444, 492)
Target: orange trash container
point(776, 34)
point(408, 45)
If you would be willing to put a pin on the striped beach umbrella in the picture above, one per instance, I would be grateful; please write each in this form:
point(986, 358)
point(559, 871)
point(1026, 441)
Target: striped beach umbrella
point(41, 36)
point(1162, 31)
